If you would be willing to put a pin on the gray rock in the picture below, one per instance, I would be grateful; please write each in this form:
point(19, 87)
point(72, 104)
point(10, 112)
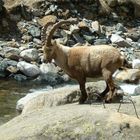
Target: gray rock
point(12, 53)
point(29, 54)
point(37, 41)
point(34, 31)
point(120, 27)
point(115, 38)
point(89, 38)
point(3, 66)
point(20, 77)
point(28, 69)
point(100, 41)
point(137, 90)
point(136, 64)
point(78, 38)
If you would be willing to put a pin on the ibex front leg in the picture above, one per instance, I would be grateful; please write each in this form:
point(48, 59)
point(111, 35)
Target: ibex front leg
point(83, 91)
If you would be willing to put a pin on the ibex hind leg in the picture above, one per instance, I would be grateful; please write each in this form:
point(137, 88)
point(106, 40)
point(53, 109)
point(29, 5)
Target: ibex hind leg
point(110, 85)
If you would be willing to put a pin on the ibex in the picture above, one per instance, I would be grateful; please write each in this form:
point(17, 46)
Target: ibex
point(84, 61)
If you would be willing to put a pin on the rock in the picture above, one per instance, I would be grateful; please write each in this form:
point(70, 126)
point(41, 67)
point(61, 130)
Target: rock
point(81, 122)
point(119, 41)
point(96, 27)
point(55, 97)
point(12, 53)
point(29, 54)
point(137, 90)
point(120, 27)
point(89, 38)
point(37, 41)
point(78, 38)
point(12, 69)
point(34, 31)
point(136, 64)
point(134, 34)
point(129, 75)
point(49, 18)
point(20, 77)
point(28, 69)
point(26, 38)
point(100, 41)
point(3, 66)
point(49, 67)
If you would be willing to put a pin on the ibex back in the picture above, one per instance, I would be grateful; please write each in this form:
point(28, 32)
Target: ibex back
point(84, 61)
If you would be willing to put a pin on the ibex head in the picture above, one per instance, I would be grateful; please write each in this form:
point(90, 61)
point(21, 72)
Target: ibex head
point(50, 47)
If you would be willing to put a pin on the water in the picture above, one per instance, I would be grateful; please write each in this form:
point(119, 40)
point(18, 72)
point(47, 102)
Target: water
point(10, 92)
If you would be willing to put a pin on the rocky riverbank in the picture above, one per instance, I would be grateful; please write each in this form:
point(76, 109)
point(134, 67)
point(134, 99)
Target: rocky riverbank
point(20, 34)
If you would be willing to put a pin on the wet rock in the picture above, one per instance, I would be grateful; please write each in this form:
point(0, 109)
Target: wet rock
point(115, 38)
point(34, 31)
point(3, 66)
point(20, 77)
point(136, 64)
point(137, 90)
point(28, 69)
point(29, 54)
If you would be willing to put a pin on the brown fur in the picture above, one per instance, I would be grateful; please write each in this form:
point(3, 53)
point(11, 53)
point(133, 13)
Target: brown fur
point(80, 62)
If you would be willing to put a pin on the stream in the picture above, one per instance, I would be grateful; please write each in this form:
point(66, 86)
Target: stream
point(10, 92)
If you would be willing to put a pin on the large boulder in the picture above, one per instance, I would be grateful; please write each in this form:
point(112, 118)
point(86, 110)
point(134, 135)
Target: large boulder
point(73, 121)
point(29, 54)
point(55, 97)
point(28, 69)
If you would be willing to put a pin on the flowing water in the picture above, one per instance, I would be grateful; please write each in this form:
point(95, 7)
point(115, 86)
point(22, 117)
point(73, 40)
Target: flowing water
point(10, 92)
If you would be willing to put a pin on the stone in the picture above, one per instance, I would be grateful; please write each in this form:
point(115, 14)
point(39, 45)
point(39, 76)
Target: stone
point(12, 53)
point(136, 64)
point(20, 77)
point(56, 97)
point(96, 27)
point(115, 38)
point(100, 41)
point(26, 38)
point(37, 41)
point(128, 75)
point(28, 69)
point(49, 67)
point(12, 69)
point(73, 121)
point(120, 27)
point(34, 31)
point(137, 90)
point(29, 54)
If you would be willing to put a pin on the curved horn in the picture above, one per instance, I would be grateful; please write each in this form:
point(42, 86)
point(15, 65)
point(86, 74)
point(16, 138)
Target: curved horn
point(43, 32)
point(55, 26)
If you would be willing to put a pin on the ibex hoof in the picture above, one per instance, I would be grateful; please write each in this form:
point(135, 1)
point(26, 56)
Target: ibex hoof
point(82, 100)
